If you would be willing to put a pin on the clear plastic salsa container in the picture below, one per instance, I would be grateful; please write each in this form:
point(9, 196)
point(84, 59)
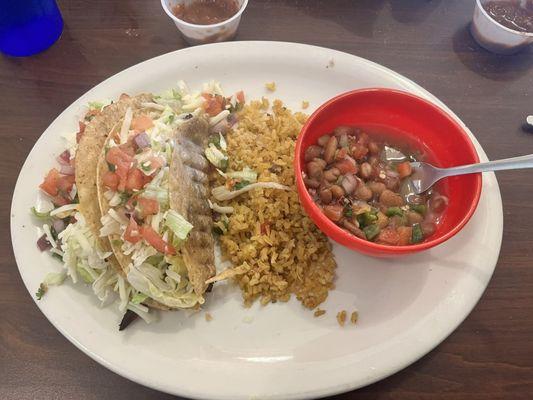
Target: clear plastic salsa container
point(201, 34)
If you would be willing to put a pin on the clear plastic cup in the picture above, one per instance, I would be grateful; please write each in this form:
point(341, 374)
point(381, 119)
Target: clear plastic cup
point(201, 34)
point(495, 37)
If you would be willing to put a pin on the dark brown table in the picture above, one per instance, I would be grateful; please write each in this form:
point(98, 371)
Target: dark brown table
point(490, 356)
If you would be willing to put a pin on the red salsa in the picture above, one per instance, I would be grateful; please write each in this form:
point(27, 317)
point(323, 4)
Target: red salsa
point(206, 12)
point(362, 184)
point(513, 14)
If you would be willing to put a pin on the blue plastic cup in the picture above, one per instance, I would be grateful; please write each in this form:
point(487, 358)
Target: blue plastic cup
point(28, 26)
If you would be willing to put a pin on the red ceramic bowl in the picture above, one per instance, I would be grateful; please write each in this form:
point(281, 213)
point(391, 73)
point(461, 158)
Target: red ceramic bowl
point(404, 117)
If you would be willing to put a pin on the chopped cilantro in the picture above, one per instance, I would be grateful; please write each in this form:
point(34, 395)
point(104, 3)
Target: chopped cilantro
point(41, 291)
point(241, 184)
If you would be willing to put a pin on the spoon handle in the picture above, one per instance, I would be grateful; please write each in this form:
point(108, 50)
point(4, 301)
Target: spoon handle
point(497, 165)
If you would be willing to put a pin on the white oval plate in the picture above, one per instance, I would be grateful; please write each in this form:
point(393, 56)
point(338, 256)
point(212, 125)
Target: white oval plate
point(406, 306)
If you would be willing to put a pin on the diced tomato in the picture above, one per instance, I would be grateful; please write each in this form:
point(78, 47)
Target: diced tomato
point(147, 179)
point(404, 169)
point(122, 161)
point(50, 182)
point(156, 162)
point(341, 153)
point(147, 206)
point(111, 180)
point(80, 131)
point(333, 212)
point(133, 233)
point(134, 180)
point(347, 166)
point(141, 123)
point(388, 236)
point(128, 148)
point(65, 182)
point(117, 156)
point(240, 96)
point(358, 151)
point(156, 241)
point(405, 233)
point(214, 104)
point(122, 172)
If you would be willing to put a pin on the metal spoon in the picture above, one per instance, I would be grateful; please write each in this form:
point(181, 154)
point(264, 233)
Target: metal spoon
point(426, 175)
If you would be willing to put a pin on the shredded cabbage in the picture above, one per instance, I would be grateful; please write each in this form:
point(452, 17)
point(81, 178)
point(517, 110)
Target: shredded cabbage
point(54, 278)
point(246, 174)
point(216, 157)
point(148, 279)
point(222, 193)
point(178, 224)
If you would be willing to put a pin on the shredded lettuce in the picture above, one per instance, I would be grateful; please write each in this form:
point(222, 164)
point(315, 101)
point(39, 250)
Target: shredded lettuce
point(40, 215)
point(246, 174)
point(216, 157)
point(138, 298)
point(148, 279)
point(177, 224)
point(222, 193)
point(55, 278)
point(98, 105)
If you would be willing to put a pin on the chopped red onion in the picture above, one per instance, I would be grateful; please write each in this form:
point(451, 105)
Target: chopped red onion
point(58, 225)
point(43, 244)
point(232, 119)
point(64, 158)
point(67, 170)
point(142, 140)
point(349, 183)
point(221, 127)
point(392, 174)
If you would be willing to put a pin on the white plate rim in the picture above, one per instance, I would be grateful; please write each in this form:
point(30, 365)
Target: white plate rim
point(340, 387)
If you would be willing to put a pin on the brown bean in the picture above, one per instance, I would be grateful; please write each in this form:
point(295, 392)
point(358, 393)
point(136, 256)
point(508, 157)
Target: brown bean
point(363, 192)
point(353, 229)
point(366, 170)
point(326, 196)
point(323, 140)
point(324, 184)
point(383, 220)
point(329, 151)
point(392, 182)
point(337, 191)
point(374, 161)
point(344, 130)
point(311, 183)
point(320, 162)
point(374, 148)
point(376, 187)
point(312, 152)
point(390, 199)
point(413, 218)
point(333, 212)
point(330, 176)
point(314, 170)
point(363, 138)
